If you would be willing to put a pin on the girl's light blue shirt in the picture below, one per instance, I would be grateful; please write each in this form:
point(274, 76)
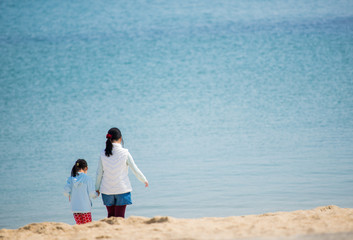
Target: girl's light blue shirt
point(80, 189)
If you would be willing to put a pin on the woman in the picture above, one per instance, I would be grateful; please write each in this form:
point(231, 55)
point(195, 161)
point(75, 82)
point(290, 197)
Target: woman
point(112, 175)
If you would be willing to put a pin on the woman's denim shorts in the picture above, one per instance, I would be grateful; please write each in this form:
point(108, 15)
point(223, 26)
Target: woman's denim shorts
point(117, 199)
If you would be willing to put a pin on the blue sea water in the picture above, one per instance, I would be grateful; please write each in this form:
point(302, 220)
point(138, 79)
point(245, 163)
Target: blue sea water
point(228, 107)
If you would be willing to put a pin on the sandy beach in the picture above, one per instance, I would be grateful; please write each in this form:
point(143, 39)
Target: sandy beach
point(329, 222)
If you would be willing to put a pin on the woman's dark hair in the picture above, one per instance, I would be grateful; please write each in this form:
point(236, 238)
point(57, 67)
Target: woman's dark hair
point(113, 134)
point(80, 164)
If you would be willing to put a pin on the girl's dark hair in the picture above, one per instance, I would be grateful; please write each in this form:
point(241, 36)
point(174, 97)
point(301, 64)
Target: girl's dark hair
point(113, 134)
point(80, 164)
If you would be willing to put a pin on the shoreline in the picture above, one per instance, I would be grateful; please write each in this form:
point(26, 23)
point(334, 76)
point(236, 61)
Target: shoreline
point(328, 222)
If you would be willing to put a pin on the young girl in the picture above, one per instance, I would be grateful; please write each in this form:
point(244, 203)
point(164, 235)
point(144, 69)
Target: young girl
point(80, 188)
point(112, 175)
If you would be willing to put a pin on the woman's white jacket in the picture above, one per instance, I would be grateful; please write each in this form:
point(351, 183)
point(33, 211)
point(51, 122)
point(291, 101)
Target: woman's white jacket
point(112, 172)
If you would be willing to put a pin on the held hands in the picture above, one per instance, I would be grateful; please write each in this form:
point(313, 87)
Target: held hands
point(146, 184)
point(98, 192)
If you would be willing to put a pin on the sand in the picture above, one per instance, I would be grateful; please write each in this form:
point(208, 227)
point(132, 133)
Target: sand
point(329, 222)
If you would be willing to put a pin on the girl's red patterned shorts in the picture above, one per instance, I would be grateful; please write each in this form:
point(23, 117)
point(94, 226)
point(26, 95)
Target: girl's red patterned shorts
point(82, 218)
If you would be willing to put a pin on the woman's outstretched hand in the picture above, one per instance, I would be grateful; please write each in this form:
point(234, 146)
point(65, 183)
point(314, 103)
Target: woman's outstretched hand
point(146, 184)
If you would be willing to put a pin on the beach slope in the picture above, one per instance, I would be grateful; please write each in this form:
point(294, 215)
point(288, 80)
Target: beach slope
point(329, 222)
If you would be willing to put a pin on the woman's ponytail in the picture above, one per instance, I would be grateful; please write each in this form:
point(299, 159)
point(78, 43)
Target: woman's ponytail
point(79, 164)
point(113, 134)
point(108, 147)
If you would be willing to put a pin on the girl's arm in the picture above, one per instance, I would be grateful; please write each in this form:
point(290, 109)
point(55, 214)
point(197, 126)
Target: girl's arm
point(99, 175)
point(137, 172)
point(91, 191)
point(67, 188)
